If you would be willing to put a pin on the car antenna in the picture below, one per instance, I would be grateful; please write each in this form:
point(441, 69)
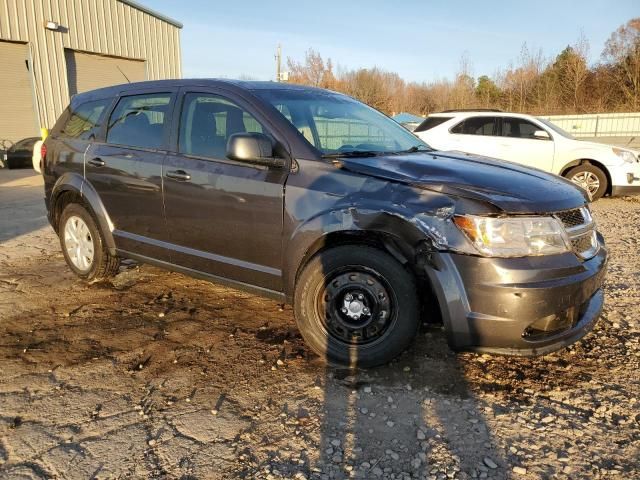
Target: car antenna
point(118, 67)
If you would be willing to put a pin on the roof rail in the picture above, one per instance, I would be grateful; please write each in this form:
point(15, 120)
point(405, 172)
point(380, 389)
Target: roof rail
point(471, 110)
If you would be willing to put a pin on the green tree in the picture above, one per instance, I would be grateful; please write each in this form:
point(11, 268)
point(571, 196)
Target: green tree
point(487, 92)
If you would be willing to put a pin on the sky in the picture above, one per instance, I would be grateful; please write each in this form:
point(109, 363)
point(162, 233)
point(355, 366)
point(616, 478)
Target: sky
point(422, 41)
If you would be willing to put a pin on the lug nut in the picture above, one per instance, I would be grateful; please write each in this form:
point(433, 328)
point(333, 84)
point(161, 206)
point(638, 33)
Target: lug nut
point(365, 310)
point(348, 297)
point(360, 297)
point(344, 310)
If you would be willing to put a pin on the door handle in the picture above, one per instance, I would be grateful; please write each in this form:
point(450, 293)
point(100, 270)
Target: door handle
point(96, 162)
point(179, 175)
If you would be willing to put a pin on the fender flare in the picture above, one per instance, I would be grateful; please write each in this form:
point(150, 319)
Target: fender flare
point(301, 243)
point(74, 182)
point(571, 164)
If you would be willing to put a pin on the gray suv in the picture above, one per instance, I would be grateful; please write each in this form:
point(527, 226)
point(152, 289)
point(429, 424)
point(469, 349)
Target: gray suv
point(312, 198)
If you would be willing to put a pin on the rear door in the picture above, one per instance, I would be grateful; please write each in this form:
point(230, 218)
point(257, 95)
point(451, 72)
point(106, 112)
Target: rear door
point(224, 216)
point(518, 144)
point(477, 135)
point(125, 168)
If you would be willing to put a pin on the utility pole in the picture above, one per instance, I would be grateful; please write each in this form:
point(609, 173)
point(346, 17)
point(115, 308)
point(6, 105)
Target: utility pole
point(278, 61)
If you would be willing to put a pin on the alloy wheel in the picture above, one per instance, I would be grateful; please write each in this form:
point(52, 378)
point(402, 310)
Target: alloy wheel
point(588, 181)
point(79, 243)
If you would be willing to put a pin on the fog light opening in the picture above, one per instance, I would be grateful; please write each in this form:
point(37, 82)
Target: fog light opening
point(550, 325)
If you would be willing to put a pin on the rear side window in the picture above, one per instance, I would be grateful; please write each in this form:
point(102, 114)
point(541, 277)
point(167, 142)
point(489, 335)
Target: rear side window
point(431, 122)
point(138, 121)
point(208, 121)
point(518, 128)
point(477, 126)
point(84, 120)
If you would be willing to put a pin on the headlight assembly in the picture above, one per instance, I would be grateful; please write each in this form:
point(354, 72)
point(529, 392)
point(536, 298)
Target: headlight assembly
point(625, 155)
point(514, 236)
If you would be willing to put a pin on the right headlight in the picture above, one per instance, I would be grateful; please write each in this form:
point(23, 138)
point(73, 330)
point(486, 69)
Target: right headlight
point(626, 156)
point(514, 236)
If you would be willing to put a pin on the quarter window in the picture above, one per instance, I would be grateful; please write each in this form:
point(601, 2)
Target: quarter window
point(84, 120)
point(518, 128)
point(207, 122)
point(138, 121)
point(476, 126)
point(431, 122)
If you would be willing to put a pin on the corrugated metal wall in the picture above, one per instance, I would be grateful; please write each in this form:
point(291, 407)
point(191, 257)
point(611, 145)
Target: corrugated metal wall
point(108, 27)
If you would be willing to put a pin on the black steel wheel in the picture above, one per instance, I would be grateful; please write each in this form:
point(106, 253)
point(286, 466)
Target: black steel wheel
point(356, 305)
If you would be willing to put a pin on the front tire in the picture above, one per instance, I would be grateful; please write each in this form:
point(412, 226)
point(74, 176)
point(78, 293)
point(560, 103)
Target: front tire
point(83, 246)
point(356, 306)
point(590, 178)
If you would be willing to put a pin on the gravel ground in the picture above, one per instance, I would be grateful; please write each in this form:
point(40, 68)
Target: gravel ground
point(156, 375)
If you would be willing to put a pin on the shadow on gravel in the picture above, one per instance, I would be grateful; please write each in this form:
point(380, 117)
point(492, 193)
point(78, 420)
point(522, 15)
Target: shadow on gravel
point(416, 416)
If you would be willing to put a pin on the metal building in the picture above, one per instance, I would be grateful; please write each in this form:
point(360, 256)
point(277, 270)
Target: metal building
point(52, 49)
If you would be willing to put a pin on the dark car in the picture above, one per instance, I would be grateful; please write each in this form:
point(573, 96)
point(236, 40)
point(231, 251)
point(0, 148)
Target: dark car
point(19, 155)
point(312, 198)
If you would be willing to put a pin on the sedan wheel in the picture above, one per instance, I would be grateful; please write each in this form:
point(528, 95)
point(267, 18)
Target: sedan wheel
point(588, 181)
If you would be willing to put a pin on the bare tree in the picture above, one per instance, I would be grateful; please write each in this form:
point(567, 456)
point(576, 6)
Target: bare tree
point(622, 50)
point(313, 71)
point(529, 84)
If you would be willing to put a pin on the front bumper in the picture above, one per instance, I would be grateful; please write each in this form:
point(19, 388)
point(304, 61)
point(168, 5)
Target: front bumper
point(518, 306)
point(625, 179)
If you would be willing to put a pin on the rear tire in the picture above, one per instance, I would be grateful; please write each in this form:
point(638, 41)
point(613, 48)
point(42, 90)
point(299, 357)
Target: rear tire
point(83, 245)
point(356, 306)
point(590, 178)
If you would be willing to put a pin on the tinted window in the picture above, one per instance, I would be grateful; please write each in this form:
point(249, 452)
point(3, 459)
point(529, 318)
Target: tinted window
point(207, 122)
point(138, 121)
point(431, 122)
point(518, 128)
point(476, 126)
point(84, 120)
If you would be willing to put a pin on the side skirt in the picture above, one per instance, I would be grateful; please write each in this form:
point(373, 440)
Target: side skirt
point(263, 292)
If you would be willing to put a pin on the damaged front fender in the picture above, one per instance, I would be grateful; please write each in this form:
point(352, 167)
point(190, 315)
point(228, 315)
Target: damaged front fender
point(341, 202)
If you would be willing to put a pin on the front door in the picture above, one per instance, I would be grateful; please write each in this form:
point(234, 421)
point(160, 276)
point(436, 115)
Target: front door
point(518, 144)
point(126, 171)
point(224, 217)
point(476, 135)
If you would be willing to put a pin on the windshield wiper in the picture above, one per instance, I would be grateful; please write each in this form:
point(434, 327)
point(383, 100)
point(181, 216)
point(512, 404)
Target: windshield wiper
point(414, 149)
point(353, 153)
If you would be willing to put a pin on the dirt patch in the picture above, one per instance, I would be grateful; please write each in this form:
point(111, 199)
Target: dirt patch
point(157, 375)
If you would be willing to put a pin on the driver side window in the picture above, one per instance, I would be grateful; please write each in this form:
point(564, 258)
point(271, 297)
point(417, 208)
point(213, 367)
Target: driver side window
point(207, 121)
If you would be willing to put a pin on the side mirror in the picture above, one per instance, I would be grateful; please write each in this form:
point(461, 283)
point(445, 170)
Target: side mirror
point(541, 135)
point(252, 148)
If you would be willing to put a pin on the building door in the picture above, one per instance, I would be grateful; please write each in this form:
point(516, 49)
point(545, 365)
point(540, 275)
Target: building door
point(17, 112)
point(87, 71)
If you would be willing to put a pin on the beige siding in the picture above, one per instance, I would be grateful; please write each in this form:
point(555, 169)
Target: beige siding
point(88, 71)
point(107, 27)
point(16, 93)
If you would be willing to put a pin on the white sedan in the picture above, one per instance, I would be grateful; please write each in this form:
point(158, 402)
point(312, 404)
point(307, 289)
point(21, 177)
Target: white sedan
point(600, 169)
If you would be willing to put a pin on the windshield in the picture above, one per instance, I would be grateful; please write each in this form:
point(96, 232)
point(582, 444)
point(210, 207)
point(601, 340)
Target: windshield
point(338, 125)
point(556, 128)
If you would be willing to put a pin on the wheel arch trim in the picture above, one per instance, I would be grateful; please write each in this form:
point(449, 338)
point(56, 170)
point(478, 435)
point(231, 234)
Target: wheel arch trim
point(596, 163)
point(396, 235)
point(74, 182)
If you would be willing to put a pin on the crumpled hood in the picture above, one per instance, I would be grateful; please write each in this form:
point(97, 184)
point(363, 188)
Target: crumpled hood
point(508, 186)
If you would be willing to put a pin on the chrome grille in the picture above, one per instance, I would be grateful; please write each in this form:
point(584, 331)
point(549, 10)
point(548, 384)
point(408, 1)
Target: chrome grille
point(571, 218)
point(583, 243)
point(581, 230)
